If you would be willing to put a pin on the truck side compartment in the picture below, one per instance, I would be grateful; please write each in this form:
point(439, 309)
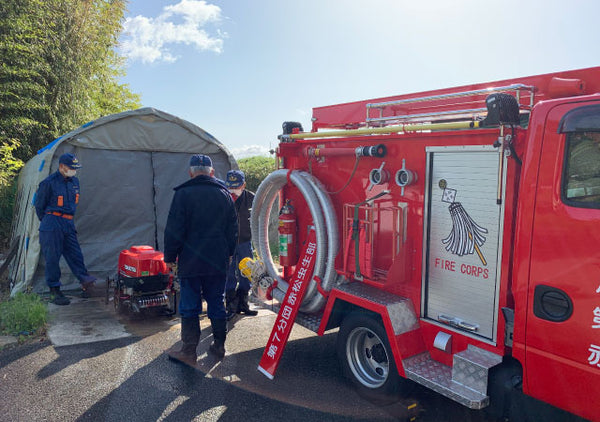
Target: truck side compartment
point(455, 240)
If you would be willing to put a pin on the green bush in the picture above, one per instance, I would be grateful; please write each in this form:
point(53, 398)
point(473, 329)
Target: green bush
point(256, 169)
point(23, 314)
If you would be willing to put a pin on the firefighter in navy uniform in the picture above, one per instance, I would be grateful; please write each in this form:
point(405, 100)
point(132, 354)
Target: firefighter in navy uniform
point(55, 202)
point(238, 286)
point(201, 235)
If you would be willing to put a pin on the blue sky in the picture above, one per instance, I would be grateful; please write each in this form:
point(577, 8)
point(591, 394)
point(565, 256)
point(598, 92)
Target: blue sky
point(238, 69)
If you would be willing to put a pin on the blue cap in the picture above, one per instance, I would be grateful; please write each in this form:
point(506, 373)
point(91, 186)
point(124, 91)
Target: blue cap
point(200, 160)
point(70, 161)
point(235, 178)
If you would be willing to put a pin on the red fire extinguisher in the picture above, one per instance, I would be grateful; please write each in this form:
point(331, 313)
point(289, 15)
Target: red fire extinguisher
point(287, 235)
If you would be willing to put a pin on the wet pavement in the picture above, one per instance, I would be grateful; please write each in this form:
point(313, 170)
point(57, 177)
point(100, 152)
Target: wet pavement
point(87, 375)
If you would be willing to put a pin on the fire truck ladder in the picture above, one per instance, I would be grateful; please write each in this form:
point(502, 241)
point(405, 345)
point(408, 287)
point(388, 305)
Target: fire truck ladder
point(440, 116)
point(440, 102)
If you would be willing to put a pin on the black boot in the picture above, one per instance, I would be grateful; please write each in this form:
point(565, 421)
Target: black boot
point(190, 336)
point(219, 327)
point(87, 286)
point(243, 307)
point(57, 297)
point(231, 303)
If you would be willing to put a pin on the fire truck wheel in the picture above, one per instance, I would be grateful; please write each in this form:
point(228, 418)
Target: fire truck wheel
point(367, 359)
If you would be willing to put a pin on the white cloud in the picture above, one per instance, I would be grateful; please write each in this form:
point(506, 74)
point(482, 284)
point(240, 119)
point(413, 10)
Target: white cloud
point(250, 151)
point(148, 39)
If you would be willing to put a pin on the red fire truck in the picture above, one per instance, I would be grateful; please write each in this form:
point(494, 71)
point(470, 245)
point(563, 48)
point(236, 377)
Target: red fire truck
point(452, 235)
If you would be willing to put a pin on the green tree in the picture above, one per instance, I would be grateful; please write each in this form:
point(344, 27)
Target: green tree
point(24, 112)
point(58, 70)
point(84, 81)
point(256, 169)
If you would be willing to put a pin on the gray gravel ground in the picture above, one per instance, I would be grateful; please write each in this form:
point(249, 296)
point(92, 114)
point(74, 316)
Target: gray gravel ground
point(130, 379)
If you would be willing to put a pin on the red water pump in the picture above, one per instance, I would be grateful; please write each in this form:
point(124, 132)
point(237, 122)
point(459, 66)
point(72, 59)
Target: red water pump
point(143, 281)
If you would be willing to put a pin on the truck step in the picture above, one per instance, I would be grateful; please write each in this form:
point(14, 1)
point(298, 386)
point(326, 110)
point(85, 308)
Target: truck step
point(471, 366)
point(311, 322)
point(399, 309)
point(436, 376)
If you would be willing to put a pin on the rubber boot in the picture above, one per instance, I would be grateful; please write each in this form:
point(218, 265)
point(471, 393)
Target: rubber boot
point(57, 297)
point(231, 303)
point(219, 327)
point(243, 307)
point(190, 336)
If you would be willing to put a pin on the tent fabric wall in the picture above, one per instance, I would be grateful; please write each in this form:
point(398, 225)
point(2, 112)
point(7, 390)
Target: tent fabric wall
point(131, 163)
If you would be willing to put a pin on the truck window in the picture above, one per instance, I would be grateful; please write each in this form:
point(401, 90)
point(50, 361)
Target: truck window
point(581, 181)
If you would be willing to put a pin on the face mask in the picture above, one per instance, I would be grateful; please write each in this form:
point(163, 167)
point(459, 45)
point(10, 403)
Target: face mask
point(236, 192)
point(70, 173)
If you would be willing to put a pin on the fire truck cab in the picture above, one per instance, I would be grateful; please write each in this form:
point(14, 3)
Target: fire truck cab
point(457, 240)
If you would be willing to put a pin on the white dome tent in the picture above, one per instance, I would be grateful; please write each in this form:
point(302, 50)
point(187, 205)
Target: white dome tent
point(131, 163)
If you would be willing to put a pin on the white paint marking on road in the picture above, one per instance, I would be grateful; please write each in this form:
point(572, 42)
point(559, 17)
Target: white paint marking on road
point(178, 401)
point(212, 414)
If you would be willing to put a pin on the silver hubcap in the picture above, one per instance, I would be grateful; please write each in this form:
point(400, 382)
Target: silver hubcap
point(367, 357)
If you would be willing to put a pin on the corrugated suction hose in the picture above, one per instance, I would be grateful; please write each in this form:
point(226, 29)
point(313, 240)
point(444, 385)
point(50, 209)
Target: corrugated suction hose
point(324, 219)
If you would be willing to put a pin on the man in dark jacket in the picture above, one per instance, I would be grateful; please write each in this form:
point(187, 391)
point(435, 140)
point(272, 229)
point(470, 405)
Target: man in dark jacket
point(55, 203)
point(237, 299)
point(201, 234)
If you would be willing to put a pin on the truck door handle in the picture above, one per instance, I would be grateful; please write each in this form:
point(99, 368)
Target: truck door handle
point(552, 304)
point(456, 322)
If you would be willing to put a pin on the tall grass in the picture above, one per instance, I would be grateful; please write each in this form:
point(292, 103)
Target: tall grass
point(25, 313)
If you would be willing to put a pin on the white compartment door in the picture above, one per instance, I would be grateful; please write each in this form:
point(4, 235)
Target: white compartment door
point(462, 239)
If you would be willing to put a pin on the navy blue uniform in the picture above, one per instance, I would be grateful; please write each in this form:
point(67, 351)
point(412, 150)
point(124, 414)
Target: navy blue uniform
point(243, 206)
point(55, 204)
point(201, 232)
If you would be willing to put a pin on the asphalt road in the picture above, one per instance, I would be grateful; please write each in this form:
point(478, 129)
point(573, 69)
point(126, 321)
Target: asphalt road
point(131, 379)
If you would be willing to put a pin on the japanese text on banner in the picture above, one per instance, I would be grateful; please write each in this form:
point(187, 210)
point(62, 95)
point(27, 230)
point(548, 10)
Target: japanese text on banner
point(289, 308)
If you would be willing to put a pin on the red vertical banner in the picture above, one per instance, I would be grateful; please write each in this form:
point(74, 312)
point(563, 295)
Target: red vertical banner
point(289, 308)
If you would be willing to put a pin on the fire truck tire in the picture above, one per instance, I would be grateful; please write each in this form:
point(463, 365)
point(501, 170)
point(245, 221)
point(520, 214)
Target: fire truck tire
point(367, 359)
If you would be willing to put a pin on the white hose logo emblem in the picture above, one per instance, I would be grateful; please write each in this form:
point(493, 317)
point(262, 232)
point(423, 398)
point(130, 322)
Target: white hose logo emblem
point(466, 235)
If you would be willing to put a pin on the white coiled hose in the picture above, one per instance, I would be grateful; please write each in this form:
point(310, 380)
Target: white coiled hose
point(325, 223)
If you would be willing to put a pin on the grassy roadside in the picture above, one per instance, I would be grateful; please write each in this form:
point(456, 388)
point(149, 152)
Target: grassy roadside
point(23, 316)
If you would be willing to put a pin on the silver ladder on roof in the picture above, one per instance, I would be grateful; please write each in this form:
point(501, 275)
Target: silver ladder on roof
point(466, 113)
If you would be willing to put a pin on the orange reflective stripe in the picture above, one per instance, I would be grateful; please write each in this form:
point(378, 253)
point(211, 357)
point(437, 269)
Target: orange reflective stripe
point(60, 214)
point(77, 198)
point(60, 201)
